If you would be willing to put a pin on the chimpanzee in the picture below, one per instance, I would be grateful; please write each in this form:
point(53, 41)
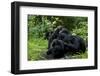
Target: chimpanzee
point(62, 41)
point(71, 42)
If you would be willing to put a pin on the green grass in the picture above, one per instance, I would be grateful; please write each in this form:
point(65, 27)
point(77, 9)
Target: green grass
point(78, 55)
point(37, 49)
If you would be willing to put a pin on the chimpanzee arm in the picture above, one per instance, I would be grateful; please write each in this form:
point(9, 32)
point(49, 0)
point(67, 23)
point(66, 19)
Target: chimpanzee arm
point(62, 44)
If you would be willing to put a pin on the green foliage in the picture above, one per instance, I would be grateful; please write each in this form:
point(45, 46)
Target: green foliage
point(36, 48)
point(39, 25)
point(81, 30)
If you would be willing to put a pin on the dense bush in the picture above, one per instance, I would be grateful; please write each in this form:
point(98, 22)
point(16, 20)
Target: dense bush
point(39, 25)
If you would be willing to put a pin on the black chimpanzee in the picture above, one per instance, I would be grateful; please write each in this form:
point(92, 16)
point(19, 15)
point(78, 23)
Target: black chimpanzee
point(62, 41)
point(71, 42)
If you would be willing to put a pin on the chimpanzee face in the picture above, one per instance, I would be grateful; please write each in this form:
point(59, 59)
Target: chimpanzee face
point(55, 52)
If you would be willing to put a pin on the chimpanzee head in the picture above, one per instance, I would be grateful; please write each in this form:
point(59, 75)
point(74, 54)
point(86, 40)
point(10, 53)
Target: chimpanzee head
point(58, 29)
point(66, 38)
point(55, 52)
point(64, 30)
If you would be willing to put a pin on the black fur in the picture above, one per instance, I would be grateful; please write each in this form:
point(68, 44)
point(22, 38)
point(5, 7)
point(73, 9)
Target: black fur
point(76, 44)
point(56, 49)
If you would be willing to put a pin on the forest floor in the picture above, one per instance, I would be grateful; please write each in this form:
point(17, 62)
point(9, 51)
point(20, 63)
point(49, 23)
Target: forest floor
point(37, 49)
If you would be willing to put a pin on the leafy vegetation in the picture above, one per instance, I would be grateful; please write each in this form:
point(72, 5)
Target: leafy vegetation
point(38, 25)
